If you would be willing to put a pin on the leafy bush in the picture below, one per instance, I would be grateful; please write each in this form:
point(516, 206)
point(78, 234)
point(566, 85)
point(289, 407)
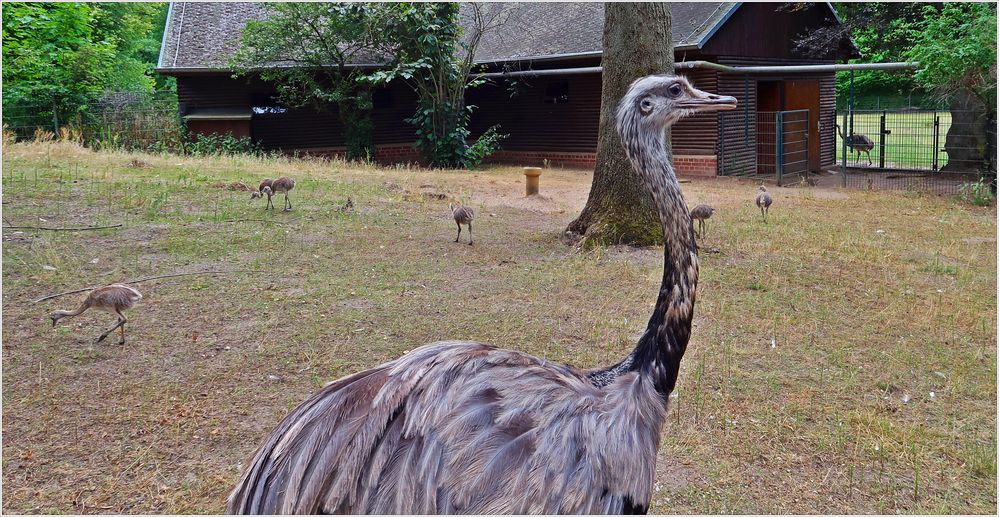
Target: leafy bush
point(487, 144)
point(222, 145)
point(978, 193)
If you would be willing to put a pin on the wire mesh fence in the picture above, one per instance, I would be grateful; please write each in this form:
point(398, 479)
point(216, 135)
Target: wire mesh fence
point(768, 144)
point(114, 120)
point(792, 145)
point(934, 150)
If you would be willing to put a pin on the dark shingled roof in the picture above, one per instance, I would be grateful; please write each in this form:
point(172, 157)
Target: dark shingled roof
point(203, 35)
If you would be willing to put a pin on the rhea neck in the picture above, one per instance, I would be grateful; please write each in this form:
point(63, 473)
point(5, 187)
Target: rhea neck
point(57, 315)
point(659, 351)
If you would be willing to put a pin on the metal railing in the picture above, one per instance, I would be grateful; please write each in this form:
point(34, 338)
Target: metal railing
point(770, 144)
point(911, 149)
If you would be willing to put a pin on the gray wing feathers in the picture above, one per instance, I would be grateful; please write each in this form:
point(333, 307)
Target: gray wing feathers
point(463, 214)
point(460, 428)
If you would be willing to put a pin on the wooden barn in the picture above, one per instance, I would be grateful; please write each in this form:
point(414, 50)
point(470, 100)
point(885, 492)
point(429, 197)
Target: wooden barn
point(544, 88)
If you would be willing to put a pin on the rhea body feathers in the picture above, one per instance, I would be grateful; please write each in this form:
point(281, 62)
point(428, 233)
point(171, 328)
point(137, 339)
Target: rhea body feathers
point(763, 202)
point(113, 298)
point(701, 213)
point(461, 427)
point(463, 215)
point(269, 187)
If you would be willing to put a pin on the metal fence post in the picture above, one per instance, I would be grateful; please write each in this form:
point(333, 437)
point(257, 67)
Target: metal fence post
point(936, 141)
point(850, 108)
point(881, 141)
point(779, 151)
point(808, 136)
point(842, 167)
point(55, 120)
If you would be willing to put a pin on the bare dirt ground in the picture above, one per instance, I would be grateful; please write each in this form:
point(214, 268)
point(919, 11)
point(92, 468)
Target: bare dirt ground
point(843, 358)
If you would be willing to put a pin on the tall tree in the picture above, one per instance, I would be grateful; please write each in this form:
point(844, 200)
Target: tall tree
point(637, 41)
point(64, 55)
point(434, 53)
point(956, 48)
point(315, 45)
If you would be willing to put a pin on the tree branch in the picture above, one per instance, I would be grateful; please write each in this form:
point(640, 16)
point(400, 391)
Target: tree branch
point(61, 229)
point(146, 279)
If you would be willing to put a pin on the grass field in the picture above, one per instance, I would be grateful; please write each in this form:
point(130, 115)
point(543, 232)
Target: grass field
point(910, 144)
point(843, 357)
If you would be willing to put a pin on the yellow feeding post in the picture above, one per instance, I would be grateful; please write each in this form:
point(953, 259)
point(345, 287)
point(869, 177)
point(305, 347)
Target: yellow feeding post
point(533, 175)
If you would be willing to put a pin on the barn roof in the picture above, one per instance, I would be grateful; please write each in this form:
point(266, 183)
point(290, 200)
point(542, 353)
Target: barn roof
point(201, 36)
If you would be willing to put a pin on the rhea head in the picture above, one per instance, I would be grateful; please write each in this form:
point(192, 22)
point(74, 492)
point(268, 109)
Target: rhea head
point(659, 101)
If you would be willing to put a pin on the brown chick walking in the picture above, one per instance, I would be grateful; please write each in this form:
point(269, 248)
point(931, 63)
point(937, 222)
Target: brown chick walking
point(463, 215)
point(701, 213)
point(113, 298)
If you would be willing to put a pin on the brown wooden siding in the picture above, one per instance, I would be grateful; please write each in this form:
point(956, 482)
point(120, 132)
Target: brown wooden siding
point(534, 125)
point(697, 134)
point(195, 92)
point(521, 111)
point(767, 30)
point(740, 138)
point(301, 128)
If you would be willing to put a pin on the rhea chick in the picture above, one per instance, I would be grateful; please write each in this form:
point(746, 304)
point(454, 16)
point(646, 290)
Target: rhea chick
point(264, 184)
point(463, 215)
point(269, 188)
point(113, 298)
point(763, 201)
point(701, 213)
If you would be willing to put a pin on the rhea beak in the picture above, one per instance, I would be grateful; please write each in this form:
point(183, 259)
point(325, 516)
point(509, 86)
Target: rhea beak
point(700, 101)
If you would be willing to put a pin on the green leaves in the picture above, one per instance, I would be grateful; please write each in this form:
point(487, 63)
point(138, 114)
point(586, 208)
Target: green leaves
point(418, 43)
point(956, 47)
point(65, 54)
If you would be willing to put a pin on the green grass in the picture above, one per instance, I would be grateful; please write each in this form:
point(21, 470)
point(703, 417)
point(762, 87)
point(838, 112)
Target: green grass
point(818, 336)
point(910, 144)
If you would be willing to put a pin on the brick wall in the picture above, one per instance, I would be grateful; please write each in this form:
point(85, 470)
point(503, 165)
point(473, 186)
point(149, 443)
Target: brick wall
point(537, 159)
point(703, 165)
point(396, 153)
point(685, 164)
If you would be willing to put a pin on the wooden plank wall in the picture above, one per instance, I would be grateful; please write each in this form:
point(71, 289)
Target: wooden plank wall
point(737, 150)
point(534, 125)
point(302, 128)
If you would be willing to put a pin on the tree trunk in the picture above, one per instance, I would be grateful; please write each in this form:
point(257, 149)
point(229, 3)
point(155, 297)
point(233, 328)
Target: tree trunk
point(966, 139)
point(637, 41)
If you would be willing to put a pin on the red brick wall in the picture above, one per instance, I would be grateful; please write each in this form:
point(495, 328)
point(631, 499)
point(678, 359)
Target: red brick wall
point(685, 164)
point(401, 153)
point(695, 164)
point(537, 159)
point(384, 154)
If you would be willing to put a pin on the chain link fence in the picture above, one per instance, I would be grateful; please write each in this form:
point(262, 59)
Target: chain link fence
point(146, 121)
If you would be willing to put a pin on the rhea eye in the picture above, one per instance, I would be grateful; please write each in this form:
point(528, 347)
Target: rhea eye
point(646, 105)
point(675, 90)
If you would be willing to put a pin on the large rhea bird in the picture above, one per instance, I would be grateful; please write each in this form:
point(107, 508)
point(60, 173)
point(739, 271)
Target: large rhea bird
point(462, 427)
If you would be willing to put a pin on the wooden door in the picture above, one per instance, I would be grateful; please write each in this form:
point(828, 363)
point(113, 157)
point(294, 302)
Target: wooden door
point(804, 94)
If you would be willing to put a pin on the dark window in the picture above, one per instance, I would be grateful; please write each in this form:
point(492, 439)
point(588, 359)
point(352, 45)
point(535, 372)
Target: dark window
point(382, 99)
point(557, 92)
point(264, 103)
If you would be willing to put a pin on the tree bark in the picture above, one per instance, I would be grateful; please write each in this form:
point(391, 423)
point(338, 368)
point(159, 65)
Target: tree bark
point(637, 41)
point(966, 139)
